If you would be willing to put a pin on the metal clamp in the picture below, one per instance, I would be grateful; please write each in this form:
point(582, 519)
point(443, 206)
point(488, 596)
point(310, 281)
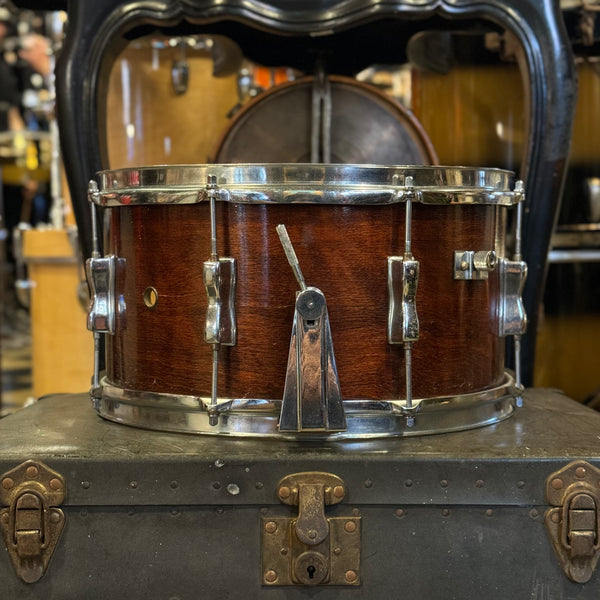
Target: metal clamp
point(574, 522)
point(312, 549)
point(101, 273)
point(469, 264)
point(31, 523)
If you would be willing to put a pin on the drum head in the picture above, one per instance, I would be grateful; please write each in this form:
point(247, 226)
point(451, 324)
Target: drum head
point(367, 127)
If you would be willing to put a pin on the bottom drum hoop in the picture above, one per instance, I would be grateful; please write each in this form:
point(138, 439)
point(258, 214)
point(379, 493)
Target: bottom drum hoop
point(258, 418)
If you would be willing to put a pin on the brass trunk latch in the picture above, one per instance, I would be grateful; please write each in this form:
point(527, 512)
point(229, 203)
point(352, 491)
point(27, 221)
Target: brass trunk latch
point(312, 549)
point(31, 523)
point(574, 523)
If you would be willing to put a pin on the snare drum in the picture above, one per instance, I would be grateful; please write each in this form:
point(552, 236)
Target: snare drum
point(202, 313)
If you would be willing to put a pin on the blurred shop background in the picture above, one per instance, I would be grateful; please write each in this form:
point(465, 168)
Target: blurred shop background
point(182, 99)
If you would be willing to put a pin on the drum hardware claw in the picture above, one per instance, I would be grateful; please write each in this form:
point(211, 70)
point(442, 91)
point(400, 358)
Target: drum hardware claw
point(519, 192)
point(312, 399)
point(93, 197)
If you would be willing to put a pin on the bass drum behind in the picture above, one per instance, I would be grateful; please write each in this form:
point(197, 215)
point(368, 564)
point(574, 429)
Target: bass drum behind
point(335, 120)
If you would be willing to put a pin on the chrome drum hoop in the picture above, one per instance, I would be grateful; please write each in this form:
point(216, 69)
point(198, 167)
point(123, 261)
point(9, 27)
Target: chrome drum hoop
point(306, 184)
point(258, 418)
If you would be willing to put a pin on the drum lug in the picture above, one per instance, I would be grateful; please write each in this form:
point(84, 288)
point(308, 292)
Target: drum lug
point(220, 281)
point(513, 320)
point(403, 321)
point(31, 523)
point(311, 399)
point(101, 278)
point(574, 521)
point(403, 280)
point(312, 549)
point(469, 264)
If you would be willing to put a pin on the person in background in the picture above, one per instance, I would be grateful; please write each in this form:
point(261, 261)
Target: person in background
point(34, 51)
point(10, 116)
point(24, 61)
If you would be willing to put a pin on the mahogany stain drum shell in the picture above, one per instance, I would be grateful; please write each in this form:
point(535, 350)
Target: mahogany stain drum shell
point(344, 222)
